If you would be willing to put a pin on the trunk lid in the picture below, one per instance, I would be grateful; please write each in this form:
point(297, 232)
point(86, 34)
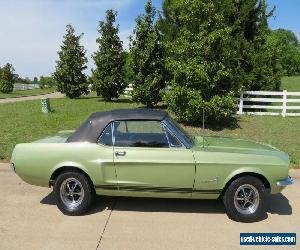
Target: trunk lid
point(61, 137)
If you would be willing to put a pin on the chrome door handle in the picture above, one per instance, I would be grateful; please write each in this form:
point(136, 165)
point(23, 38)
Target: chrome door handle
point(120, 153)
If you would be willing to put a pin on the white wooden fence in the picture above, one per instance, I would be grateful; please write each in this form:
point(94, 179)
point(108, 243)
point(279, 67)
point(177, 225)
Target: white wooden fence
point(263, 102)
point(22, 86)
point(128, 90)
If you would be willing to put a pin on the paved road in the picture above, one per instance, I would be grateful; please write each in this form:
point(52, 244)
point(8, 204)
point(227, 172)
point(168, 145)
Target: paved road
point(28, 98)
point(30, 220)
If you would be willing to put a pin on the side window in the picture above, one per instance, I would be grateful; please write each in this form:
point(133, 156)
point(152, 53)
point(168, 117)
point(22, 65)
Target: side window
point(106, 136)
point(174, 142)
point(140, 134)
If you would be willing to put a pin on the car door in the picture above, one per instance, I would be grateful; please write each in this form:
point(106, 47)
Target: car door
point(151, 161)
point(106, 180)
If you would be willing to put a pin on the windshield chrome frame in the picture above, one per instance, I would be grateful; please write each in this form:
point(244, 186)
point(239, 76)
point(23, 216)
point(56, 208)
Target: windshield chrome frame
point(187, 142)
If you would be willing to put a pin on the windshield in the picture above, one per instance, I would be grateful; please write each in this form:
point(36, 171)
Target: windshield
point(175, 126)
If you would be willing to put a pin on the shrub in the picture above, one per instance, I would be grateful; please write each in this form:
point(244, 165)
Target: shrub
point(188, 106)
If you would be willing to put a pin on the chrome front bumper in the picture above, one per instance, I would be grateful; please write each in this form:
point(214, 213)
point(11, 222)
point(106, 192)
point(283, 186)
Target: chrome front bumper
point(283, 183)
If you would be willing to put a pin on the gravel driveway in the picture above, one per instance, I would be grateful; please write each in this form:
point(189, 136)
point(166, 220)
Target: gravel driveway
point(29, 219)
point(35, 97)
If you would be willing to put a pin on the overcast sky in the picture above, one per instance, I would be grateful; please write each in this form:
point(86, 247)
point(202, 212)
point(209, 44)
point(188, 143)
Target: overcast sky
point(32, 30)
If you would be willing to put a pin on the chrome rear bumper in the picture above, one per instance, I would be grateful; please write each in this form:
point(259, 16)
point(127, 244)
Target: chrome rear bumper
point(283, 183)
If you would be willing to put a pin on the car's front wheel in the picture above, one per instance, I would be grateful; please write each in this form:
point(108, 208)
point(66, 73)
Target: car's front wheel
point(73, 193)
point(244, 199)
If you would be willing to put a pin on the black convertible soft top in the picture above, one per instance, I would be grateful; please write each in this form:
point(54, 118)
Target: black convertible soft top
point(90, 130)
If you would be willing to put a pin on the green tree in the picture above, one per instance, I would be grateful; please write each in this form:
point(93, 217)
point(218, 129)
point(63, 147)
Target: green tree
point(147, 59)
point(215, 49)
point(7, 79)
point(69, 74)
point(46, 81)
point(287, 46)
point(108, 76)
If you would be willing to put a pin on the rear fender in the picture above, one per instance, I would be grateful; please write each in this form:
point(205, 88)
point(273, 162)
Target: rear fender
point(74, 165)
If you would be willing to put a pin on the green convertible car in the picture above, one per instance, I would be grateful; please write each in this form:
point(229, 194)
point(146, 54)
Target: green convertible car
point(144, 153)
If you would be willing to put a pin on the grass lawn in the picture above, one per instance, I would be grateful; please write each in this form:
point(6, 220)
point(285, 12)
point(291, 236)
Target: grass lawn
point(24, 122)
point(28, 92)
point(283, 133)
point(290, 83)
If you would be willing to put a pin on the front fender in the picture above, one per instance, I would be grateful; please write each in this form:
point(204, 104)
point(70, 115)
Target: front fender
point(242, 170)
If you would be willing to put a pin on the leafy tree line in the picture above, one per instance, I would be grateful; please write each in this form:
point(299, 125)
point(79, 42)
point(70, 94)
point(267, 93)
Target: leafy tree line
point(143, 65)
point(287, 47)
point(46, 81)
point(208, 51)
point(19, 79)
point(8, 78)
point(43, 81)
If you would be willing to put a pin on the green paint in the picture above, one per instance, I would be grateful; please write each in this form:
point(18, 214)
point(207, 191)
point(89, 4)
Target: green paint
point(197, 173)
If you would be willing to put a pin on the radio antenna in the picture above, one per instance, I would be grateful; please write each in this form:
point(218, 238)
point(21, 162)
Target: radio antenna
point(203, 114)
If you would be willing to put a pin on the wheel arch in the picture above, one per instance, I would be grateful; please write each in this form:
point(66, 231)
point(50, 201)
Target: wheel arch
point(64, 169)
point(253, 174)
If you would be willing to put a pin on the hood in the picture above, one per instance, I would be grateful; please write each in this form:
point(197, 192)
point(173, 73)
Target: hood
point(235, 145)
point(61, 137)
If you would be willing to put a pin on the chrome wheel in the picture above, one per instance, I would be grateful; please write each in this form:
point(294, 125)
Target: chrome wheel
point(246, 199)
point(71, 193)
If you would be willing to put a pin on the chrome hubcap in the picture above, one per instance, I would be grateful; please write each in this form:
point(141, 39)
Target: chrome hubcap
point(246, 199)
point(71, 193)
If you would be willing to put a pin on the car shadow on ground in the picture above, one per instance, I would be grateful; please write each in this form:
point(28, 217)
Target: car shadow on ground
point(100, 204)
point(279, 204)
point(275, 204)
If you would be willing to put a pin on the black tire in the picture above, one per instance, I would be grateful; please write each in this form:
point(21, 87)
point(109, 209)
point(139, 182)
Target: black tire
point(82, 196)
point(234, 200)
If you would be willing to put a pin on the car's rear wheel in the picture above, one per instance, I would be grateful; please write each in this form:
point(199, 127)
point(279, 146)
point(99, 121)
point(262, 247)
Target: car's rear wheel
point(73, 193)
point(244, 199)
